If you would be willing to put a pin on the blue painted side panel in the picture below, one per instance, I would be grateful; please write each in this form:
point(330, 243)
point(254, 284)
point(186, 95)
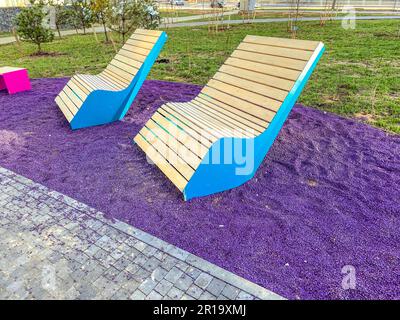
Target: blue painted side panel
point(215, 176)
point(102, 107)
point(151, 58)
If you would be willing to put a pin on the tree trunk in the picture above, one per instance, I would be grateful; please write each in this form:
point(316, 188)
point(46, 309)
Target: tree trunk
point(104, 26)
point(83, 24)
point(334, 4)
point(123, 30)
point(58, 30)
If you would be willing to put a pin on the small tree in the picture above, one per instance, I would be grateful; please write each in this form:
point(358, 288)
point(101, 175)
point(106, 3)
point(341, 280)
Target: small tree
point(150, 16)
point(83, 14)
point(125, 15)
point(121, 17)
point(99, 9)
point(64, 16)
point(30, 23)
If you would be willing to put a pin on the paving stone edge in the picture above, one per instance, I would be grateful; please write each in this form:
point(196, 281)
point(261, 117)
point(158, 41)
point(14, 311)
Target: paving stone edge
point(180, 254)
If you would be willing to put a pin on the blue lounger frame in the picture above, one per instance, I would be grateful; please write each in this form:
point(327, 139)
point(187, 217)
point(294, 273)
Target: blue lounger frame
point(216, 176)
point(102, 106)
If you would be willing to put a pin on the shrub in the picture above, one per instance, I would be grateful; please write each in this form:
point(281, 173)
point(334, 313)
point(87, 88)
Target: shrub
point(125, 15)
point(99, 9)
point(31, 26)
point(83, 14)
point(64, 17)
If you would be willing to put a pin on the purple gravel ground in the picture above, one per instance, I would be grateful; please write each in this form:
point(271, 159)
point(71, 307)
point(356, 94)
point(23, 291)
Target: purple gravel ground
point(326, 196)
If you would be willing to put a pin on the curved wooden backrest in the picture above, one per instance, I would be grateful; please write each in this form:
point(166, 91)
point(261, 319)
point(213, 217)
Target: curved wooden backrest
point(125, 65)
point(258, 76)
point(117, 76)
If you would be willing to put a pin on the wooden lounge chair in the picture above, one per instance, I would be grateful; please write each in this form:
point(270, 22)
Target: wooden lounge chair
point(218, 140)
point(90, 100)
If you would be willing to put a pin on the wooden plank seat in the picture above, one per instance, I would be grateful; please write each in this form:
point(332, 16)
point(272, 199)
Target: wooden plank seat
point(218, 140)
point(89, 100)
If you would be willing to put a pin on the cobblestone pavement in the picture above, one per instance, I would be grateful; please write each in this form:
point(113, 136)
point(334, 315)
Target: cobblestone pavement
point(53, 247)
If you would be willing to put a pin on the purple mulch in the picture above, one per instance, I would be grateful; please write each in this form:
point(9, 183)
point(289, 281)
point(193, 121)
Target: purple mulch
point(326, 196)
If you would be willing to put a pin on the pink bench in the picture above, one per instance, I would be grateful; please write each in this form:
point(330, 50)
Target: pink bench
point(14, 79)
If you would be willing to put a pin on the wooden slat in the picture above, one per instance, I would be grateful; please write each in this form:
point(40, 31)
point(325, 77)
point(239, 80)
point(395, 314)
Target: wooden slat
point(77, 89)
point(261, 78)
point(132, 55)
point(74, 98)
point(137, 50)
point(81, 84)
point(85, 82)
point(245, 95)
point(154, 33)
point(270, 60)
point(64, 109)
point(111, 82)
point(255, 87)
point(219, 122)
point(181, 135)
point(176, 178)
point(218, 113)
point(189, 126)
point(125, 76)
point(263, 114)
point(236, 112)
point(129, 61)
point(275, 71)
point(178, 163)
point(282, 42)
point(229, 115)
point(99, 83)
point(124, 67)
point(68, 102)
point(204, 124)
point(215, 125)
point(114, 78)
point(144, 38)
point(140, 44)
point(185, 153)
point(276, 51)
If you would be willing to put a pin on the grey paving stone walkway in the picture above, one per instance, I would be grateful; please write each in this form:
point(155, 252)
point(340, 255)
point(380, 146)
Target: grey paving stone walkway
point(53, 247)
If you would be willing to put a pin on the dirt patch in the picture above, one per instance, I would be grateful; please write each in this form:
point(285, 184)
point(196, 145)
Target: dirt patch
point(46, 54)
point(163, 60)
point(365, 117)
point(394, 95)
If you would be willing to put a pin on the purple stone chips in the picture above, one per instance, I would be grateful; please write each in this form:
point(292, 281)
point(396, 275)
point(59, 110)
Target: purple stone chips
point(326, 196)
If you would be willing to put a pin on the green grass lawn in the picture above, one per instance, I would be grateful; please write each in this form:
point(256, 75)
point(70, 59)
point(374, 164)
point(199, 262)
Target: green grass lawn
point(358, 75)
